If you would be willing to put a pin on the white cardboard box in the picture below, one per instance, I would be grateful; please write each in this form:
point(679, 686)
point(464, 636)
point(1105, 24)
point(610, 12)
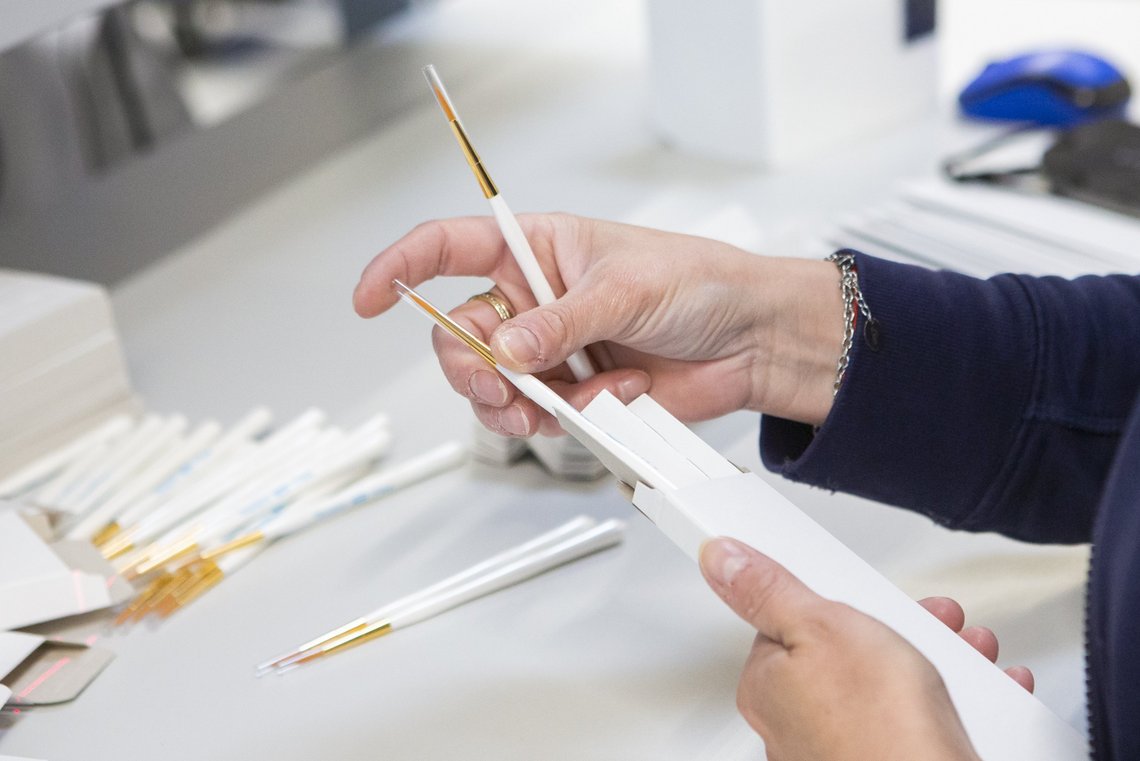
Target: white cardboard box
point(769, 82)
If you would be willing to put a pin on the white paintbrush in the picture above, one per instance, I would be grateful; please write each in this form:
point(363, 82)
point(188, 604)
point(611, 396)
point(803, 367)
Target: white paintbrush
point(567, 543)
point(520, 248)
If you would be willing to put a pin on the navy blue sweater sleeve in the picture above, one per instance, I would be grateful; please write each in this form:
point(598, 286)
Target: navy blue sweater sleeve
point(989, 405)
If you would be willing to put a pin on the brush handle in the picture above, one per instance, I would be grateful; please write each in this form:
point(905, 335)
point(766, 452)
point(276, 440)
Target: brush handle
point(147, 478)
point(592, 540)
point(299, 517)
point(73, 479)
point(39, 470)
point(233, 473)
point(238, 438)
point(556, 536)
point(579, 363)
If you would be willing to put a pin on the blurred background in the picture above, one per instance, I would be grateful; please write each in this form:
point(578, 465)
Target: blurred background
point(127, 129)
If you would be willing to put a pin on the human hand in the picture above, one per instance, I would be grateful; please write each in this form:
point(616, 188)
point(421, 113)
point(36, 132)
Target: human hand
point(825, 682)
point(982, 639)
point(710, 328)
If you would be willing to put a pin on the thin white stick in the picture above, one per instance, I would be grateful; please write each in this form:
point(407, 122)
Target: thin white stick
point(208, 489)
point(145, 453)
point(174, 458)
point(579, 362)
point(63, 490)
point(389, 480)
point(237, 440)
point(422, 606)
point(572, 527)
point(328, 473)
point(41, 468)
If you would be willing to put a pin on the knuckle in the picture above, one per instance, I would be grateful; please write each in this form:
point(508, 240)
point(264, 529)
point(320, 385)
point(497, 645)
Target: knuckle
point(455, 368)
point(554, 321)
point(489, 417)
point(819, 623)
point(425, 226)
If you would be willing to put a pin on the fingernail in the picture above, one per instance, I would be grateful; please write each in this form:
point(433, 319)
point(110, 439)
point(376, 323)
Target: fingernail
point(519, 345)
point(722, 560)
point(632, 386)
point(514, 421)
point(487, 387)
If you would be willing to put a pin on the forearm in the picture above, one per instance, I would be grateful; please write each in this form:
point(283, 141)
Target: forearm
point(981, 392)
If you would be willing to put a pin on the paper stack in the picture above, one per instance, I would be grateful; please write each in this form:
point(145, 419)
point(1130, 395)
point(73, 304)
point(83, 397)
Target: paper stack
point(982, 231)
point(61, 365)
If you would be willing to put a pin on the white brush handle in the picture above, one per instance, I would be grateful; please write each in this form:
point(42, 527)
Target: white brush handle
point(592, 540)
point(329, 474)
point(302, 515)
point(39, 469)
point(579, 363)
point(234, 472)
point(572, 528)
point(554, 537)
point(71, 480)
point(175, 457)
point(261, 479)
point(149, 436)
point(194, 471)
point(147, 452)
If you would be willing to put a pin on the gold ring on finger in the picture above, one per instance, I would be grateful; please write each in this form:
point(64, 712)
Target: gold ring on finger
point(497, 302)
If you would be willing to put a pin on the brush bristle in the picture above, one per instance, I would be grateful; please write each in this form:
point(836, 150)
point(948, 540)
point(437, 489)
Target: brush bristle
point(440, 92)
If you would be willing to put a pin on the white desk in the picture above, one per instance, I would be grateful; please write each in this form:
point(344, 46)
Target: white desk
point(626, 655)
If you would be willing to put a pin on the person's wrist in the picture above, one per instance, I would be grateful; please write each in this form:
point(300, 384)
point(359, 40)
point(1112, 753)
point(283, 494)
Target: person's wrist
point(798, 338)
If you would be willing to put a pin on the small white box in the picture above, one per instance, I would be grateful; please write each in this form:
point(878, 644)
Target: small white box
point(769, 82)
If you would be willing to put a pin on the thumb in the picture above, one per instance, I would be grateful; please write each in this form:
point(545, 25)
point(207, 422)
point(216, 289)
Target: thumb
point(760, 590)
point(545, 336)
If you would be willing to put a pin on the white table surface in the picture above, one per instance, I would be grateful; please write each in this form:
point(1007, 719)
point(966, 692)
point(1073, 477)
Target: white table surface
point(626, 655)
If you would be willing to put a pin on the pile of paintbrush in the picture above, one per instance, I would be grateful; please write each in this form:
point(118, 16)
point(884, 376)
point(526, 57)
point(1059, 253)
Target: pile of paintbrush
point(178, 511)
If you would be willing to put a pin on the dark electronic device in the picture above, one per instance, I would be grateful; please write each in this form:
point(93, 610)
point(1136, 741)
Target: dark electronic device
point(1098, 163)
point(1057, 88)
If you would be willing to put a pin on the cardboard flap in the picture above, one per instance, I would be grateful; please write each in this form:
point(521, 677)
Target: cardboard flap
point(38, 581)
point(55, 672)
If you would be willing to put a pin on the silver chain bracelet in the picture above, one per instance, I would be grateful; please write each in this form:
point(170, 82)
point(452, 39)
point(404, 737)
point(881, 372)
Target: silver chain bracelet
point(852, 296)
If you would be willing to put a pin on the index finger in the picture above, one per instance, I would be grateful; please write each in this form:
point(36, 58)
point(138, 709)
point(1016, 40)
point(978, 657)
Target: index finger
point(460, 246)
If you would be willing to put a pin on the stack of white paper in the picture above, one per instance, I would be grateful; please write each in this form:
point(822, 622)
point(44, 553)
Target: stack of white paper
point(982, 231)
point(61, 365)
point(491, 448)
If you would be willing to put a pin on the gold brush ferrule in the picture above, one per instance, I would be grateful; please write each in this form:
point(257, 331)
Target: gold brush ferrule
point(473, 161)
point(106, 534)
point(162, 557)
point(245, 540)
point(138, 606)
point(371, 632)
point(168, 603)
point(116, 548)
point(350, 628)
point(205, 579)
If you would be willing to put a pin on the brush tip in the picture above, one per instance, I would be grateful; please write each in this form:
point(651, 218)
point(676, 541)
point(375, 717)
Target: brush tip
point(440, 92)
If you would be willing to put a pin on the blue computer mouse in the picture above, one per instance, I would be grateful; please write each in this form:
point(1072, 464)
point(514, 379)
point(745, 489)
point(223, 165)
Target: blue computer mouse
point(1057, 88)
